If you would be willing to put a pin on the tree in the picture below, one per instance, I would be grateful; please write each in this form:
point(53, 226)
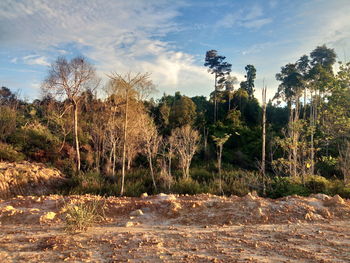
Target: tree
point(248, 85)
point(219, 142)
point(229, 88)
point(127, 87)
point(290, 90)
point(323, 56)
point(151, 142)
point(185, 142)
point(182, 112)
point(70, 79)
point(220, 69)
point(263, 150)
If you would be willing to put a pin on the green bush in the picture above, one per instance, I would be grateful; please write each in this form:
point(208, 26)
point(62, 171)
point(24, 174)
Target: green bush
point(317, 184)
point(188, 186)
point(79, 217)
point(90, 183)
point(284, 186)
point(240, 182)
point(345, 192)
point(9, 153)
point(201, 175)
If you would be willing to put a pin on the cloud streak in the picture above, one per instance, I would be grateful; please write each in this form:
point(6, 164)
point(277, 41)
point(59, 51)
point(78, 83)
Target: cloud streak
point(116, 35)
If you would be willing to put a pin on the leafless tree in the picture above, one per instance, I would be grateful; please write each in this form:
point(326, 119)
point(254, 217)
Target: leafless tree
point(263, 150)
point(127, 87)
point(151, 142)
point(69, 79)
point(185, 142)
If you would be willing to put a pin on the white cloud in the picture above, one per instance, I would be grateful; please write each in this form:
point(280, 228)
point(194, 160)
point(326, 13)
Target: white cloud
point(35, 60)
point(118, 36)
point(251, 18)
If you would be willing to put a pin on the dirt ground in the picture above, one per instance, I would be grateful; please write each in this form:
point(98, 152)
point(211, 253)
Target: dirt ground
point(171, 228)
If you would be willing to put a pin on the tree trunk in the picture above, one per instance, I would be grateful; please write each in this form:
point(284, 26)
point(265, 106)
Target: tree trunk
point(152, 172)
point(188, 170)
point(312, 126)
point(215, 100)
point(290, 135)
point(124, 141)
point(205, 137)
point(114, 157)
point(295, 137)
point(77, 147)
point(263, 140)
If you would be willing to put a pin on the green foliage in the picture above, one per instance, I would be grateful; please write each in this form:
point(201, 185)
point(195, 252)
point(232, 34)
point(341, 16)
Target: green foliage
point(283, 186)
point(9, 153)
point(317, 184)
point(7, 122)
point(201, 175)
point(240, 182)
point(81, 216)
point(188, 186)
point(182, 112)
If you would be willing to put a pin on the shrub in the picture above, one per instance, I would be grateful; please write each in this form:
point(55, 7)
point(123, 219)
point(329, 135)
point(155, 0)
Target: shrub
point(81, 216)
point(284, 186)
point(9, 153)
point(188, 186)
point(317, 184)
point(240, 182)
point(201, 175)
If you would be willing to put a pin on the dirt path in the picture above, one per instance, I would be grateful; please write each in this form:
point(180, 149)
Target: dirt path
point(180, 229)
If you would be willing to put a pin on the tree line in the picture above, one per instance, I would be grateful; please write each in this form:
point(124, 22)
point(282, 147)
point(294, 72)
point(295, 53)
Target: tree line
point(306, 128)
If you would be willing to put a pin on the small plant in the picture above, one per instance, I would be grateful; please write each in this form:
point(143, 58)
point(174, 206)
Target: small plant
point(79, 217)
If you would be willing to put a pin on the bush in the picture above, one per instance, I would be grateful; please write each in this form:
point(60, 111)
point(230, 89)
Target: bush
point(9, 153)
point(81, 216)
point(284, 186)
point(317, 184)
point(240, 182)
point(201, 175)
point(90, 183)
point(188, 186)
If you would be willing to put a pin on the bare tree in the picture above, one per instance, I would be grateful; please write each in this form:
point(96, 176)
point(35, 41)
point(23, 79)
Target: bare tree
point(220, 141)
point(185, 142)
point(263, 150)
point(151, 142)
point(69, 79)
point(127, 87)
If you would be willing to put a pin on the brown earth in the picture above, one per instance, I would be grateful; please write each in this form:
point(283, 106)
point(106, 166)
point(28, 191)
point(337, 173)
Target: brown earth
point(172, 228)
point(28, 178)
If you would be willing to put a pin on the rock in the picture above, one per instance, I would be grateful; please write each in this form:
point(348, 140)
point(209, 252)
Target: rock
point(312, 217)
point(137, 212)
point(8, 208)
point(49, 216)
point(28, 178)
point(130, 224)
point(249, 197)
point(322, 197)
point(255, 194)
point(335, 200)
point(162, 196)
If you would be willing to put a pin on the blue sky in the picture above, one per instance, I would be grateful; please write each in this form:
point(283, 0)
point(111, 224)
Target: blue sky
point(166, 38)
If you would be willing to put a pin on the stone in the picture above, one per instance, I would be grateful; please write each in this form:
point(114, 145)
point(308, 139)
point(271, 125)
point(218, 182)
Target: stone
point(48, 216)
point(137, 212)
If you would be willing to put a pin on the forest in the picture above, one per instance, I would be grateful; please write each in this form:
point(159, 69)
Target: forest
point(115, 139)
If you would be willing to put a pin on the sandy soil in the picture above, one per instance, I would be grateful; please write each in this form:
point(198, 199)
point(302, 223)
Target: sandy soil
point(169, 228)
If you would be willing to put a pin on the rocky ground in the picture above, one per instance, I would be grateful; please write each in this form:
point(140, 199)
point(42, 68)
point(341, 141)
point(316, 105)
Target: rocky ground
point(28, 178)
point(171, 228)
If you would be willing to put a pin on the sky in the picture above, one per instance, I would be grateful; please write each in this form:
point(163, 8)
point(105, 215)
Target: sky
point(166, 38)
